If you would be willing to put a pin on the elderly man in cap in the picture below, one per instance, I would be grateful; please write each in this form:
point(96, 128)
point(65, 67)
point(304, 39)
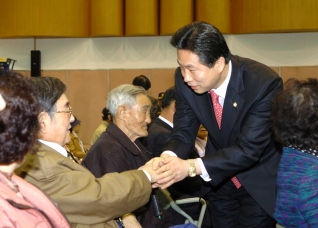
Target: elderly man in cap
point(87, 201)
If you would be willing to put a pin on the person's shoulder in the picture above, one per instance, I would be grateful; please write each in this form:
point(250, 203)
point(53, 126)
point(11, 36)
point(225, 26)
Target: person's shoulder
point(253, 67)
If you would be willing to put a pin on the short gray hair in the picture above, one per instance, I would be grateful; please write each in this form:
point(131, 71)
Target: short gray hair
point(123, 95)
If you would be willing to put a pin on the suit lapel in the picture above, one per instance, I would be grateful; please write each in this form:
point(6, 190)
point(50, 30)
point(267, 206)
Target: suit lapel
point(206, 112)
point(233, 102)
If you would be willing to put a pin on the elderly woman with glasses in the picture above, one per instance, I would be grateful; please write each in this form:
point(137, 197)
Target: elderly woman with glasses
point(22, 204)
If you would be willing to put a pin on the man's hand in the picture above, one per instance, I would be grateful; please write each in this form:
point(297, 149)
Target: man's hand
point(131, 222)
point(171, 169)
point(156, 162)
point(148, 168)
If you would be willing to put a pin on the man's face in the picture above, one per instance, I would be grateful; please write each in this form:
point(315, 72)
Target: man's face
point(59, 126)
point(138, 117)
point(199, 77)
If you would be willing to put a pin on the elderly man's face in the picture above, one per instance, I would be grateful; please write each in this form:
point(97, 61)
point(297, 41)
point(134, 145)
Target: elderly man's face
point(138, 117)
point(59, 126)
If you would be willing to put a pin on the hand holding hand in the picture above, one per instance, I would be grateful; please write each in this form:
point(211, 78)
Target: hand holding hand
point(156, 162)
point(172, 169)
point(148, 168)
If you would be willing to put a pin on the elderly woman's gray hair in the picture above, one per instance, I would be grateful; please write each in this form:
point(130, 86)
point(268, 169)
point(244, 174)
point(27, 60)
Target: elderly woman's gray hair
point(123, 95)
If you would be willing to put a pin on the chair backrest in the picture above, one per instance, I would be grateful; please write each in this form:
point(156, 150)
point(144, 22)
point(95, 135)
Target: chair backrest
point(165, 195)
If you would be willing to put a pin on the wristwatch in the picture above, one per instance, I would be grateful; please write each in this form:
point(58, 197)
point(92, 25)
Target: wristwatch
point(192, 171)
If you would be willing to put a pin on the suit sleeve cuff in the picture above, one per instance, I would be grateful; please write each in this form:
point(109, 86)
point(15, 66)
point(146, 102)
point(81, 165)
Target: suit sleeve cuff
point(205, 176)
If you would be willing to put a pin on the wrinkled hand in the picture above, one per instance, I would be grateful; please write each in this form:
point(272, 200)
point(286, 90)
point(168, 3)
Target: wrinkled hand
point(131, 222)
point(156, 162)
point(148, 168)
point(171, 169)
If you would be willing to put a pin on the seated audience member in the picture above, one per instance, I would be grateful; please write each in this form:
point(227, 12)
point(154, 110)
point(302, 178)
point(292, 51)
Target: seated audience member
point(86, 201)
point(145, 83)
point(22, 204)
point(294, 120)
point(160, 96)
point(107, 118)
point(161, 128)
point(75, 145)
point(118, 148)
point(158, 134)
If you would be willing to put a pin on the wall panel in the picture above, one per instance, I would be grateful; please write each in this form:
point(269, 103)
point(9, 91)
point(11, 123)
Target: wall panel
point(87, 91)
point(263, 16)
point(118, 77)
point(161, 80)
point(175, 14)
point(44, 18)
point(216, 12)
point(141, 17)
point(300, 73)
point(107, 18)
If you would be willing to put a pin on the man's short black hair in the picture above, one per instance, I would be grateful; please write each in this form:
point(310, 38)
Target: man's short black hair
point(142, 81)
point(168, 97)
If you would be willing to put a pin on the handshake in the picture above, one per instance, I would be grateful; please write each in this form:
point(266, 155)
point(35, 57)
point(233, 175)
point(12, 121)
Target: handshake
point(166, 170)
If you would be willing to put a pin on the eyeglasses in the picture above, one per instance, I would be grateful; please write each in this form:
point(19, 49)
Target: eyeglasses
point(69, 111)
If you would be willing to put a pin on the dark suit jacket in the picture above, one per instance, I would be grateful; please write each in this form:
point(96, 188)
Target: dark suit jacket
point(244, 145)
point(158, 133)
point(86, 201)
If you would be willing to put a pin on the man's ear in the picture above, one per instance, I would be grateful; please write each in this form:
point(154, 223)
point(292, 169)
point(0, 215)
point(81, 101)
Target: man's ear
point(220, 63)
point(121, 111)
point(44, 121)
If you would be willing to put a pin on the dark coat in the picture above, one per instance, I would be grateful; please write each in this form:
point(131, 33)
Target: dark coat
point(158, 133)
point(244, 146)
point(115, 152)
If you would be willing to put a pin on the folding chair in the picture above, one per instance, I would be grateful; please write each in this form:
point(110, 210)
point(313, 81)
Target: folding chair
point(165, 196)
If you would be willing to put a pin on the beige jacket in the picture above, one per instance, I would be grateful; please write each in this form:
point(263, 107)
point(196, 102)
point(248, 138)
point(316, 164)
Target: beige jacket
point(86, 201)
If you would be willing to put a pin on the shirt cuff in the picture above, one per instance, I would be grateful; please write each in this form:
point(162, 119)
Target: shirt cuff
point(205, 176)
point(169, 152)
point(147, 174)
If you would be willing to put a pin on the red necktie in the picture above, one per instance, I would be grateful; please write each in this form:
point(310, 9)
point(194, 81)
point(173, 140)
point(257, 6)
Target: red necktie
point(218, 109)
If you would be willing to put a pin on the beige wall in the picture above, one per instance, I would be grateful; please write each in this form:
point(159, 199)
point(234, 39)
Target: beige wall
point(87, 90)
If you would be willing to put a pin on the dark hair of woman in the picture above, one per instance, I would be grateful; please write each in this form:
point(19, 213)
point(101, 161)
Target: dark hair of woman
point(142, 81)
point(294, 116)
point(18, 121)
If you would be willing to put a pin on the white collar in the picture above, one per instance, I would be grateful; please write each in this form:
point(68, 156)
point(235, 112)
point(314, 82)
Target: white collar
point(55, 146)
point(221, 90)
point(166, 121)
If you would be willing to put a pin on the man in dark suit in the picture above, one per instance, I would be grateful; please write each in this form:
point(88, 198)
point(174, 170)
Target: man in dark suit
point(241, 158)
point(160, 129)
